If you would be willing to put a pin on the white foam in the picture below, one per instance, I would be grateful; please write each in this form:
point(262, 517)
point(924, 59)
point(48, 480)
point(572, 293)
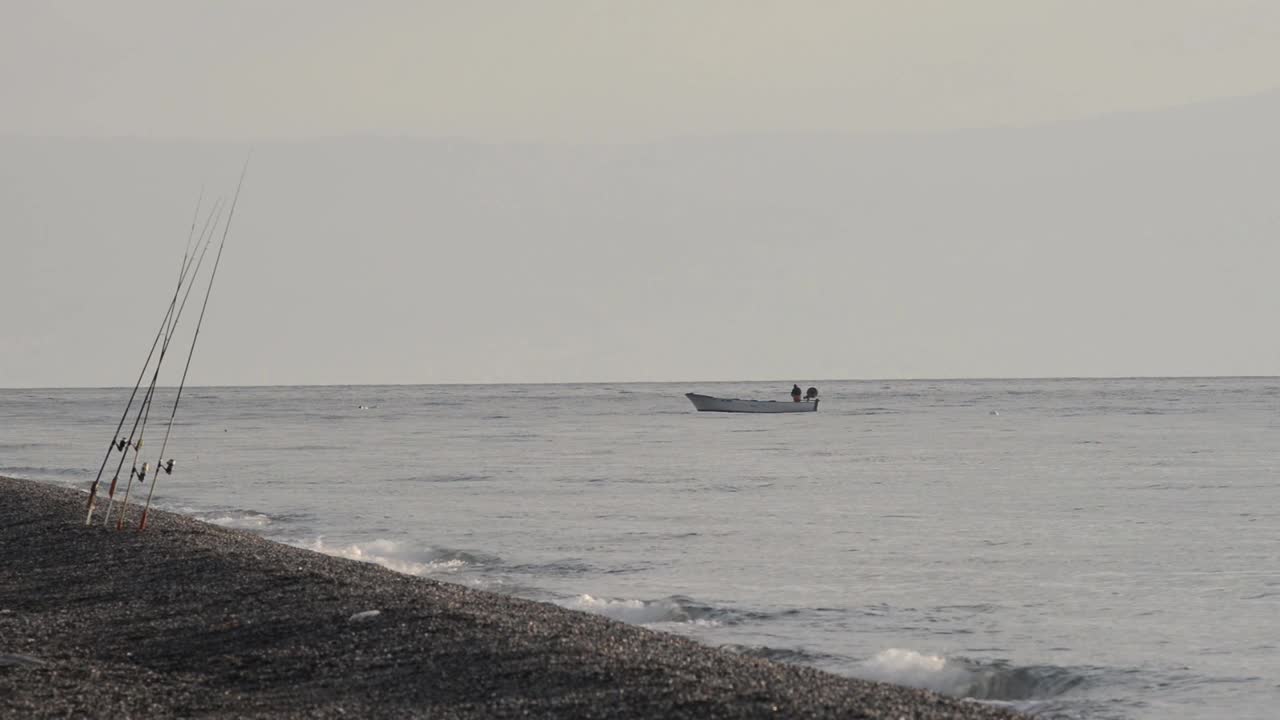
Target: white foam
point(391, 555)
point(959, 677)
point(915, 669)
point(246, 521)
point(636, 612)
point(366, 615)
point(230, 518)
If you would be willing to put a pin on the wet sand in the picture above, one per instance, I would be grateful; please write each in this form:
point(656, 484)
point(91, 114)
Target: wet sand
point(193, 620)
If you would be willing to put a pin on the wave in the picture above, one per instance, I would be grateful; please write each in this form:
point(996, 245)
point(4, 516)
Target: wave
point(233, 517)
point(7, 447)
point(403, 558)
point(791, 656)
point(966, 678)
point(674, 609)
point(560, 568)
point(38, 472)
point(239, 519)
point(442, 478)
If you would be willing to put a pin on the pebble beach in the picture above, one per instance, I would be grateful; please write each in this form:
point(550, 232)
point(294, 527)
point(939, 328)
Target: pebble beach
point(192, 620)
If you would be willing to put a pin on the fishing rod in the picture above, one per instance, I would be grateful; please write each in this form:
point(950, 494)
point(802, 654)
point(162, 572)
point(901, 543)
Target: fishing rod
point(144, 409)
point(115, 437)
point(160, 464)
point(134, 471)
point(122, 443)
point(206, 238)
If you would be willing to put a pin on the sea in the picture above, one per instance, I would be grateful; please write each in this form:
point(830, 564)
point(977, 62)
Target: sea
point(1074, 548)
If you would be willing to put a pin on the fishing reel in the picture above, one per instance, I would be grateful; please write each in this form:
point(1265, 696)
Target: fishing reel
point(167, 467)
point(120, 443)
point(142, 474)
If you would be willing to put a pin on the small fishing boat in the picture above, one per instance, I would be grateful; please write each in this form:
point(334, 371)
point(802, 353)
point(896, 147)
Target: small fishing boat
point(707, 403)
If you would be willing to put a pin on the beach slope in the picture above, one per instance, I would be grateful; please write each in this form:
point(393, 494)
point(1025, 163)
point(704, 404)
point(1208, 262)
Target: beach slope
point(193, 620)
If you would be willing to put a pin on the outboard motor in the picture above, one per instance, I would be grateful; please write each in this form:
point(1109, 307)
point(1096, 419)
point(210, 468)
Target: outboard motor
point(811, 394)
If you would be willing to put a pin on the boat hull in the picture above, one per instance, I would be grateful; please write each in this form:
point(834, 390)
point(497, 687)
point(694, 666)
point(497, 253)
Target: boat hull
point(707, 403)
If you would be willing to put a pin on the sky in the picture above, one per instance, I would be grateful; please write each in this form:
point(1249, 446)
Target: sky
point(590, 191)
point(554, 70)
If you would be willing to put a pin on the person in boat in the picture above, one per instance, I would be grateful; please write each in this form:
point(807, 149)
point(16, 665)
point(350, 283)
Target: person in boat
point(795, 393)
point(811, 394)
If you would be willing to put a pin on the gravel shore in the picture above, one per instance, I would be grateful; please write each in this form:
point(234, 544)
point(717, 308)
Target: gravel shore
point(193, 620)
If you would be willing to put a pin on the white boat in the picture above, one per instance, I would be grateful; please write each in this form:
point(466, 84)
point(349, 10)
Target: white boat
point(706, 403)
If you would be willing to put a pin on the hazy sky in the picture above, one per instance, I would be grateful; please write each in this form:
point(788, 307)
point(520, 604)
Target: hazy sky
point(613, 70)
point(607, 191)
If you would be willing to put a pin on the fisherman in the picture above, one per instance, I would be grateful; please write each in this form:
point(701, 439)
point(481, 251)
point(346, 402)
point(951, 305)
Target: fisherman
point(811, 394)
point(795, 393)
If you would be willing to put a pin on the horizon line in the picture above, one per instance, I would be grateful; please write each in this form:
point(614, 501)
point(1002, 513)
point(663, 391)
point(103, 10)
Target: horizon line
point(677, 382)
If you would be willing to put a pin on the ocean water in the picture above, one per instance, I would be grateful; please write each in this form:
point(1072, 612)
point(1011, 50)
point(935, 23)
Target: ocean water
point(1073, 548)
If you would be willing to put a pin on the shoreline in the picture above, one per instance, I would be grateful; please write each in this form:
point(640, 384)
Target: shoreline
point(195, 620)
